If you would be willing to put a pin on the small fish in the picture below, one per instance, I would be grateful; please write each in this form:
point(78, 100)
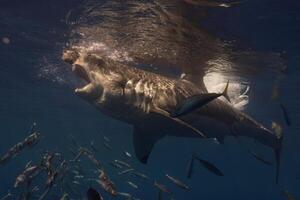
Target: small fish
point(26, 175)
point(92, 194)
point(123, 163)
point(91, 156)
point(6, 196)
point(107, 184)
point(286, 115)
point(47, 162)
point(126, 153)
point(79, 169)
point(177, 182)
point(65, 196)
point(76, 182)
point(141, 175)
point(28, 142)
point(209, 166)
point(52, 177)
point(115, 165)
point(106, 138)
point(194, 102)
point(77, 157)
point(288, 195)
point(132, 185)
point(79, 177)
point(107, 146)
point(28, 164)
point(126, 171)
point(162, 187)
point(190, 168)
point(35, 189)
point(93, 147)
point(75, 172)
point(259, 158)
point(126, 195)
point(45, 193)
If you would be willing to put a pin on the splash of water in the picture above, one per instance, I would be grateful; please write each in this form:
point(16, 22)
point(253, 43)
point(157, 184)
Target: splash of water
point(237, 91)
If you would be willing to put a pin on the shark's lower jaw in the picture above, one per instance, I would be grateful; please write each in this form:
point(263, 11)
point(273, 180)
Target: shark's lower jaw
point(83, 74)
point(90, 91)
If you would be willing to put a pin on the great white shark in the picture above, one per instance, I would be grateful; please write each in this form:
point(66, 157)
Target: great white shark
point(144, 99)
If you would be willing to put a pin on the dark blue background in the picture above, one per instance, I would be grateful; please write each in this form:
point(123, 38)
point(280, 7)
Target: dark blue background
point(37, 30)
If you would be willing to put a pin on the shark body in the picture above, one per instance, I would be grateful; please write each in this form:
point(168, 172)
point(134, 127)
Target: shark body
point(145, 99)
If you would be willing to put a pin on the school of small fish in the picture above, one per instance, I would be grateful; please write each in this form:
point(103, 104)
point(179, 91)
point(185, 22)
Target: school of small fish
point(39, 179)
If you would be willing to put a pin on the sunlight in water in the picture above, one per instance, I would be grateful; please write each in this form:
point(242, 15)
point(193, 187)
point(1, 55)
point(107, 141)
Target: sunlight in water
point(101, 49)
point(237, 91)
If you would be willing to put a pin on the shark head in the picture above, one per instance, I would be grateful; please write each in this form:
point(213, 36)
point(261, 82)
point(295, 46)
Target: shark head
point(101, 80)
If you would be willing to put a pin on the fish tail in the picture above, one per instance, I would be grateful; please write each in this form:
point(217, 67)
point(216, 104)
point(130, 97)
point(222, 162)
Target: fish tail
point(225, 92)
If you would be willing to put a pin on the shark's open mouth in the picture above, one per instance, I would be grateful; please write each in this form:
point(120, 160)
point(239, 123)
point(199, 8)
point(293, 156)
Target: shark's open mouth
point(88, 88)
point(82, 73)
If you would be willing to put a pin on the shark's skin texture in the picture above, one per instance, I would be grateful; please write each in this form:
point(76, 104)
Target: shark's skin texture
point(144, 100)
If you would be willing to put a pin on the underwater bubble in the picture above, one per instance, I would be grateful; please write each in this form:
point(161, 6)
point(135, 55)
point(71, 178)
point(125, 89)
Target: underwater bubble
point(5, 40)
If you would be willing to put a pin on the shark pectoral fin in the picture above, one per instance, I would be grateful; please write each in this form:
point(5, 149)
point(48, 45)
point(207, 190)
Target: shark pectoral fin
point(143, 143)
point(225, 92)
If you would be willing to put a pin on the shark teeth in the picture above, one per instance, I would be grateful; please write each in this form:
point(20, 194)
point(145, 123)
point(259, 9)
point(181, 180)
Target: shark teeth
point(82, 73)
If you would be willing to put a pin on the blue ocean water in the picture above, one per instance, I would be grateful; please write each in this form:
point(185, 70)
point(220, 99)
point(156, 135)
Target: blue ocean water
point(38, 32)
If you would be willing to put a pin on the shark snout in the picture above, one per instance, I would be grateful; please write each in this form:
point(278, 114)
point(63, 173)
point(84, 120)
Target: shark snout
point(91, 89)
point(70, 56)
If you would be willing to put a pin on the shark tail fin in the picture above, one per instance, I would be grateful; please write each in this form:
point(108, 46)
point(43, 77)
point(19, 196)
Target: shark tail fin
point(277, 153)
point(225, 92)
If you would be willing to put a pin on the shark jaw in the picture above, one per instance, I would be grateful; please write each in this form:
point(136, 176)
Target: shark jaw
point(90, 90)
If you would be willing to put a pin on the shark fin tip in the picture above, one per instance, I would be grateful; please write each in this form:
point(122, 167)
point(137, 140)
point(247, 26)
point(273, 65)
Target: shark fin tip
point(225, 92)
